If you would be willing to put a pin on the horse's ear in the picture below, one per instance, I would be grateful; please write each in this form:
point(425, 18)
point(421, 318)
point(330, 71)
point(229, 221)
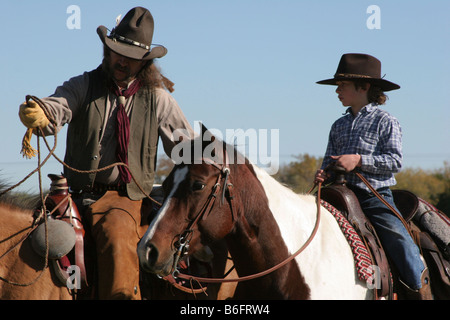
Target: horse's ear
point(205, 132)
point(209, 144)
point(204, 128)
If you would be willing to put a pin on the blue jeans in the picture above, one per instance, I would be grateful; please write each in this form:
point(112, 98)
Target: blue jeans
point(394, 237)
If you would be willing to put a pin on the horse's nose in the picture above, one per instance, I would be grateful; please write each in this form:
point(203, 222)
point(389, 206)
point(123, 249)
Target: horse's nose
point(152, 254)
point(148, 256)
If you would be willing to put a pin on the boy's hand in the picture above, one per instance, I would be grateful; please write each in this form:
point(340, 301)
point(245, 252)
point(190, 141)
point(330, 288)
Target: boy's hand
point(348, 161)
point(321, 176)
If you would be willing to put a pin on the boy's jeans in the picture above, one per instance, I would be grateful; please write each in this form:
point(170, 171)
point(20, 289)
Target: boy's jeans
point(395, 239)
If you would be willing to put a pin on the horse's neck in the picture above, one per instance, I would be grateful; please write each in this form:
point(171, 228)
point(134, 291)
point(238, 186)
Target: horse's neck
point(257, 245)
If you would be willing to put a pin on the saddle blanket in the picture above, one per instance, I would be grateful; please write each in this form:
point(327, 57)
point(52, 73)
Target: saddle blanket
point(363, 261)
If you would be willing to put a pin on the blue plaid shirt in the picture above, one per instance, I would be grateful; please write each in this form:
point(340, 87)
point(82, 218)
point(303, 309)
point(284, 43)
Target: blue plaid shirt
point(376, 136)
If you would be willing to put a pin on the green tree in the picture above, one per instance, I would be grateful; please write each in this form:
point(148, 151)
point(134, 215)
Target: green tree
point(299, 175)
point(443, 202)
point(430, 185)
point(425, 184)
point(163, 168)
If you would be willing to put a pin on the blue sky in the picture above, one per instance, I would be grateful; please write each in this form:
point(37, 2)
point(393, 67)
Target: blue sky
point(243, 64)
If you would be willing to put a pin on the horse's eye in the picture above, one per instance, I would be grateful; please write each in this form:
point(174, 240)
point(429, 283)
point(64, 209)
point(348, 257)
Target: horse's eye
point(197, 185)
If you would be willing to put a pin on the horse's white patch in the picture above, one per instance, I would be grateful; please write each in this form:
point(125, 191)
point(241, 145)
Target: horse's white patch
point(178, 177)
point(327, 263)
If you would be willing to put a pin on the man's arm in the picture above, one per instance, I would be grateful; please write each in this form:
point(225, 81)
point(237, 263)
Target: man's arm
point(171, 118)
point(65, 102)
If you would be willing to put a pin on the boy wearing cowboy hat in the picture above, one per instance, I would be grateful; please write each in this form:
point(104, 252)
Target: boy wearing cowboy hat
point(115, 113)
point(369, 139)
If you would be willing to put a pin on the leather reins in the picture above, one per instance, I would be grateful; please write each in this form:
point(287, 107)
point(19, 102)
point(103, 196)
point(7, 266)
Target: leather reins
point(204, 212)
point(380, 197)
point(224, 170)
point(332, 166)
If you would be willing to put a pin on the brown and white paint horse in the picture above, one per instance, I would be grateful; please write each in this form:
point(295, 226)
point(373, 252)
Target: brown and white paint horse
point(262, 222)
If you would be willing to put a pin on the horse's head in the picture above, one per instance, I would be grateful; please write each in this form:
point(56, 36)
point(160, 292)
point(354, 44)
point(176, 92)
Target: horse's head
point(199, 206)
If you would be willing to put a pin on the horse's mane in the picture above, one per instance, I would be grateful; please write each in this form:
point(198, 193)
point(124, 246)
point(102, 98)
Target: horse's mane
point(20, 200)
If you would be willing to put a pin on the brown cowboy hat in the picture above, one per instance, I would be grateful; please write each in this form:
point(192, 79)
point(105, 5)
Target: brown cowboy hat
point(132, 37)
point(359, 66)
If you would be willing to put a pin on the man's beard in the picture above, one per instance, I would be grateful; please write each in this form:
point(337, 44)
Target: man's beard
point(127, 76)
point(109, 70)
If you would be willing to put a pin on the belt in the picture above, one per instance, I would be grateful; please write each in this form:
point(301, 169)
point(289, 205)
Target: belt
point(100, 188)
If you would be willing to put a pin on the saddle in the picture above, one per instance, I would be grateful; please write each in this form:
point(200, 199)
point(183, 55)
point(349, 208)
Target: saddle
point(411, 209)
point(345, 201)
point(64, 210)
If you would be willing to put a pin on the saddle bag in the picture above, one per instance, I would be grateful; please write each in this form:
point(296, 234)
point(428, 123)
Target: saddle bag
point(438, 267)
point(65, 230)
point(432, 230)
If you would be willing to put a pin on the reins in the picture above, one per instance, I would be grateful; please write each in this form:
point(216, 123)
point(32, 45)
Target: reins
point(341, 171)
point(380, 197)
point(191, 278)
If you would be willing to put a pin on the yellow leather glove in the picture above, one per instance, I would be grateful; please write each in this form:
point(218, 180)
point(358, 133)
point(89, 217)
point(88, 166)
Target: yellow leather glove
point(32, 116)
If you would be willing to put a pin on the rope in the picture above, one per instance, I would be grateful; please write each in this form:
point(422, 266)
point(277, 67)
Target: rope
point(28, 151)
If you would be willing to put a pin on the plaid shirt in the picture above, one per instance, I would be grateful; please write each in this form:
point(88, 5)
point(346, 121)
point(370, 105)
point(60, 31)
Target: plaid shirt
point(376, 136)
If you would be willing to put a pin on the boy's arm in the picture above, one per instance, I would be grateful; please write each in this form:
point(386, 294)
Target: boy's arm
point(389, 158)
point(331, 150)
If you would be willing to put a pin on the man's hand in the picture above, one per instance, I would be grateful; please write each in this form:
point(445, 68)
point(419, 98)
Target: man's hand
point(348, 161)
point(32, 116)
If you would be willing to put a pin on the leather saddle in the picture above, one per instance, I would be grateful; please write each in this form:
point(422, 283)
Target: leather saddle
point(343, 199)
point(59, 200)
point(408, 204)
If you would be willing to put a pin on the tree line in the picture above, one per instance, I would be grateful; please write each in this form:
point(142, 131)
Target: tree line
point(430, 185)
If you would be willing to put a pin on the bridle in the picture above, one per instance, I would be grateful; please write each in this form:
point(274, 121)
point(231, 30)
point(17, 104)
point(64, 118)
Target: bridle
point(183, 242)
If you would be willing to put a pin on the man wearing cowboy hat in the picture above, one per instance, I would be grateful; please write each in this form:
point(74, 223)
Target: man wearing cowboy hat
point(115, 113)
point(369, 139)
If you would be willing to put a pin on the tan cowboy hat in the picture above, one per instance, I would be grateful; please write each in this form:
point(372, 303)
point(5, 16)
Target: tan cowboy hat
point(132, 37)
point(359, 66)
